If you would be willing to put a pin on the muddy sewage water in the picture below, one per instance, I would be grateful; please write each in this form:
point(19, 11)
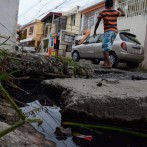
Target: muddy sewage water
point(49, 111)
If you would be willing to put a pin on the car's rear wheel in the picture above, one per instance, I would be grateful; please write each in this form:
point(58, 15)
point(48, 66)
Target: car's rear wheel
point(113, 59)
point(75, 56)
point(132, 65)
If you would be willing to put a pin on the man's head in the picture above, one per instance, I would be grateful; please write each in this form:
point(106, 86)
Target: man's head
point(109, 3)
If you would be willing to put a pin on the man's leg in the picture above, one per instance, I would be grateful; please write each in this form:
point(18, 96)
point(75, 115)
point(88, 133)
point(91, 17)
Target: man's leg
point(105, 61)
point(106, 54)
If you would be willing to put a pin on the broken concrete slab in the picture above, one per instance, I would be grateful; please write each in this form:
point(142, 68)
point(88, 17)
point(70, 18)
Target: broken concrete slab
point(123, 101)
point(98, 69)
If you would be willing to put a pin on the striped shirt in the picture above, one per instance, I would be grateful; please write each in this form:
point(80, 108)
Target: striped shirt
point(110, 19)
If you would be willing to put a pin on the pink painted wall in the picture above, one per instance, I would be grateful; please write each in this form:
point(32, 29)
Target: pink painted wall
point(34, 30)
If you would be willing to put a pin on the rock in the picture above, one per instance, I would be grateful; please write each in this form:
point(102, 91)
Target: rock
point(125, 101)
point(86, 61)
point(15, 138)
point(84, 70)
point(63, 132)
point(138, 77)
point(35, 63)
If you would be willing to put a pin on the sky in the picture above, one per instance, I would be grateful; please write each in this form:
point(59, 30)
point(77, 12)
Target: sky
point(30, 10)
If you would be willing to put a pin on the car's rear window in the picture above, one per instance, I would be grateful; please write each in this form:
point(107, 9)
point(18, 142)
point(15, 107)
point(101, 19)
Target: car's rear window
point(129, 38)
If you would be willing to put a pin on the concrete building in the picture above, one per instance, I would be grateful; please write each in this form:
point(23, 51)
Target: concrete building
point(68, 36)
point(8, 23)
point(32, 33)
point(52, 22)
point(60, 30)
point(89, 17)
point(73, 22)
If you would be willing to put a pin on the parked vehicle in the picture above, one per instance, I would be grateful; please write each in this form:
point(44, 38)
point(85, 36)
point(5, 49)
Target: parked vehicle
point(126, 49)
point(27, 48)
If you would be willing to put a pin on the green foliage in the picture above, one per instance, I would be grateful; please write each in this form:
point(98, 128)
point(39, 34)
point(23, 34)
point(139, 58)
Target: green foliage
point(3, 77)
point(69, 62)
point(4, 42)
point(105, 128)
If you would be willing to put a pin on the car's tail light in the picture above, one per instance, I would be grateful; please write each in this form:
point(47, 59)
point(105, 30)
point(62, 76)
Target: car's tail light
point(124, 46)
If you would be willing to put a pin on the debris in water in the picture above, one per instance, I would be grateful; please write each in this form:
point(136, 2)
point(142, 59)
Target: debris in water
point(63, 132)
point(55, 106)
point(83, 136)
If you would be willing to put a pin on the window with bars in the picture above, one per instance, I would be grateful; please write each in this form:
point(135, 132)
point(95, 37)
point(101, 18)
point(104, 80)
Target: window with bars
point(31, 30)
point(73, 20)
point(69, 39)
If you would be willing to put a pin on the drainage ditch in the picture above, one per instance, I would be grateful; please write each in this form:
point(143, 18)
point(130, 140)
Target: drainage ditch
point(49, 104)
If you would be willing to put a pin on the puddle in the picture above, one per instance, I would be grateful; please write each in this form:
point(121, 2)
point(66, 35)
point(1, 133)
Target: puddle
point(52, 118)
point(50, 113)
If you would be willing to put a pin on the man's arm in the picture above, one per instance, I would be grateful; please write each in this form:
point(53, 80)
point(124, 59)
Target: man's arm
point(96, 26)
point(122, 12)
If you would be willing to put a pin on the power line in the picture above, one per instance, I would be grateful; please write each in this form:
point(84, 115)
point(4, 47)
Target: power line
point(24, 5)
point(71, 2)
point(49, 10)
point(42, 8)
point(29, 9)
point(54, 8)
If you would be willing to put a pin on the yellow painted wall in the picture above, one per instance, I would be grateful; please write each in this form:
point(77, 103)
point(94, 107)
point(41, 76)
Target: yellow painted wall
point(77, 20)
point(39, 27)
point(39, 31)
point(54, 28)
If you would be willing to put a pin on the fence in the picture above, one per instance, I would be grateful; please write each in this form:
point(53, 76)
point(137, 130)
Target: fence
point(133, 8)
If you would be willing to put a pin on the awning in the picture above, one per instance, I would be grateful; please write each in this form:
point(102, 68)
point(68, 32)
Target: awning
point(26, 40)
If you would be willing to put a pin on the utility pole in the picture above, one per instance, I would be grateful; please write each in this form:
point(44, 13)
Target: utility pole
point(77, 19)
point(51, 32)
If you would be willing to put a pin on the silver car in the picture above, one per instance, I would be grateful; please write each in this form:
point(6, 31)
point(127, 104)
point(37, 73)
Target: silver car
point(126, 49)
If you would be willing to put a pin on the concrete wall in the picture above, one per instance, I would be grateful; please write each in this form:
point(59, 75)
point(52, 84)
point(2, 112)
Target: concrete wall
point(77, 20)
point(39, 33)
point(33, 35)
point(54, 28)
point(62, 47)
point(137, 26)
point(8, 23)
